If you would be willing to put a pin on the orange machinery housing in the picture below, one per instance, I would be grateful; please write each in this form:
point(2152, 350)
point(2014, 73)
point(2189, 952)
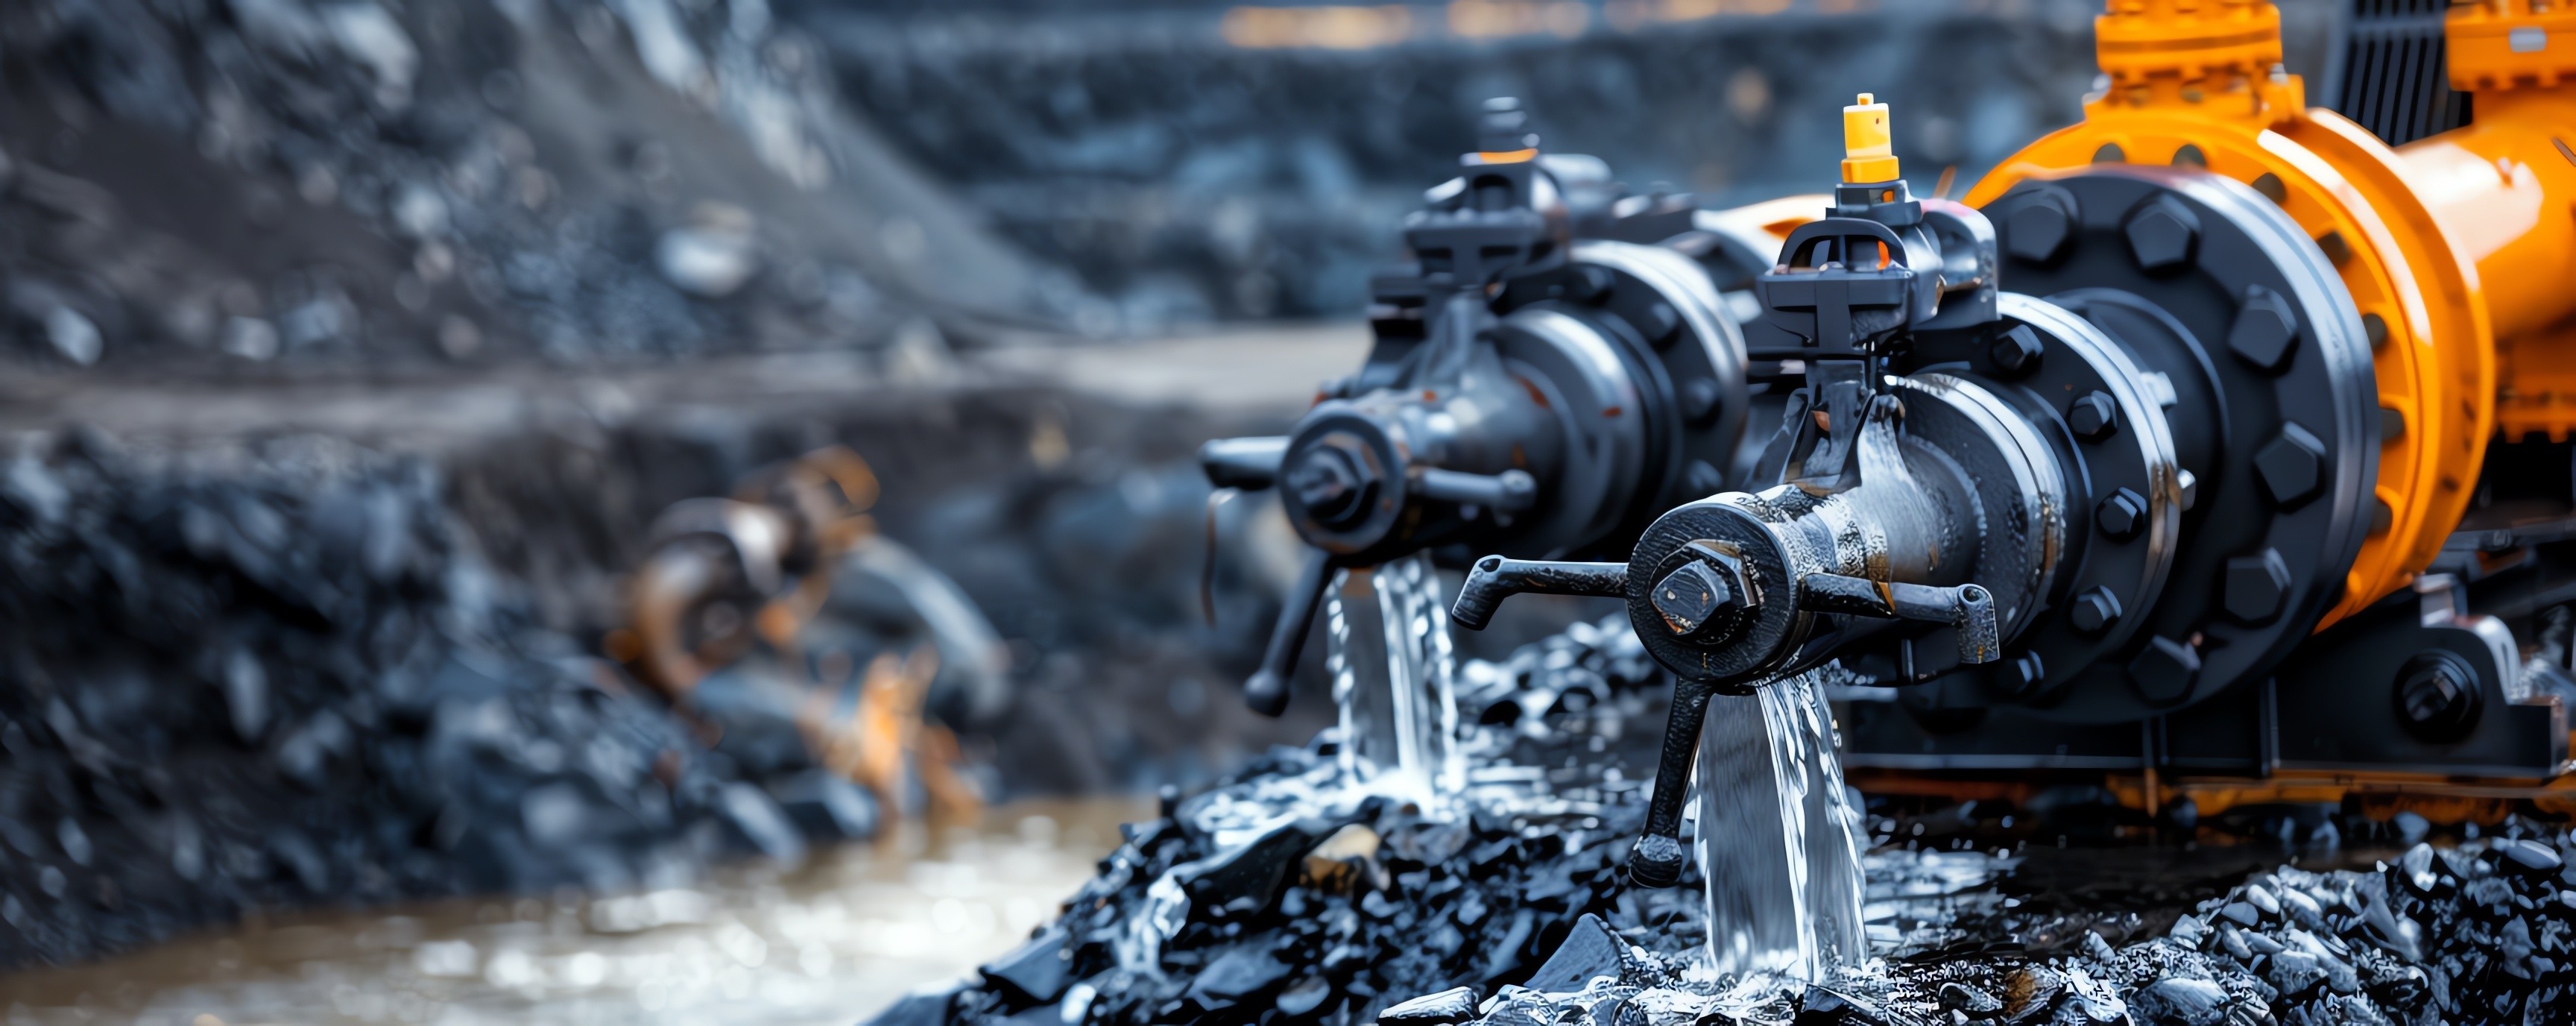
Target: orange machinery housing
point(2459, 250)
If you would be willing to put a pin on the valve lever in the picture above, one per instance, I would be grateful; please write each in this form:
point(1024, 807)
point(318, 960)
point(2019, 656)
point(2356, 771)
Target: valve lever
point(1496, 578)
point(1267, 692)
point(1249, 463)
point(1967, 607)
point(1656, 859)
point(1510, 491)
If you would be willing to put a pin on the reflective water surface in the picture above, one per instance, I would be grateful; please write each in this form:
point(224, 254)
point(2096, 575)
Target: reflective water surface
point(830, 942)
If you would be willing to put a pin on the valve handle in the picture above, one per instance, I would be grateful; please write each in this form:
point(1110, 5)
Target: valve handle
point(1250, 463)
point(1968, 607)
point(1496, 578)
point(1510, 491)
point(1267, 690)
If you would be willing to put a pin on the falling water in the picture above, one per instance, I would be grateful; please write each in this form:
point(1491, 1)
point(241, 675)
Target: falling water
point(1779, 835)
point(1393, 680)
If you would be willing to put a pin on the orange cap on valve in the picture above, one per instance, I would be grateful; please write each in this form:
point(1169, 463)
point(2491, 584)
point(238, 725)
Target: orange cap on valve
point(1868, 155)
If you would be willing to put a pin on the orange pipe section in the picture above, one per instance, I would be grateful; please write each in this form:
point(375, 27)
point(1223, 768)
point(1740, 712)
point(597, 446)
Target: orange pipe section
point(2504, 189)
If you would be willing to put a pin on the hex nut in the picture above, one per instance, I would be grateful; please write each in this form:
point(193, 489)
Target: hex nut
point(1659, 324)
point(1688, 597)
point(2291, 466)
point(1700, 398)
point(2257, 586)
point(2121, 515)
point(2265, 332)
point(2025, 673)
point(2162, 234)
point(2165, 672)
point(2092, 416)
point(1591, 284)
point(2436, 696)
point(2037, 231)
point(2094, 612)
point(2016, 352)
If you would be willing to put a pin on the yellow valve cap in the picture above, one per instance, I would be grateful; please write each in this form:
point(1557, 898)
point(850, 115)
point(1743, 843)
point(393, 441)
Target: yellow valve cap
point(1867, 154)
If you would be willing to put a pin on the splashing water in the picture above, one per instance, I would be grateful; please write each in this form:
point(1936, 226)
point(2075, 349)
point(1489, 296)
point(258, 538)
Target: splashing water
point(1779, 836)
point(1394, 681)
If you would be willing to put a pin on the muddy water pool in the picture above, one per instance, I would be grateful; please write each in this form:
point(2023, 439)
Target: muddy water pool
point(831, 941)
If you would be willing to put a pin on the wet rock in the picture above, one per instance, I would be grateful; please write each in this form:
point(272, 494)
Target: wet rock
point(1236, 977)
point(760, 821)
point(1034, 973)
point(1589, 952)
point(2180, 1002)
point(73, 335)
point(2090, 1000)
point(1344, 861)
point(713, 257)
point(1962, 997)
point(2531, 856)
point(826, 804)
point(1302, 998)
point(2419, 868)
point(1454, 1005)
point(1247, 879)
point(245, 686)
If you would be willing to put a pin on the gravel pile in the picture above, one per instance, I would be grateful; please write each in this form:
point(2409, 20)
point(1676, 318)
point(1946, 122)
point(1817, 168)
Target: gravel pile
point(234, 182)
point(1285, 895)
point(279, 675)
point(2480, 933)
point(1188, 177)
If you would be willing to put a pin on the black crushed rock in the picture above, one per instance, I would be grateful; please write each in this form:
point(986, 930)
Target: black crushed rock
point(227, 183)
point(1188, 177)
point(2479, 933)
point(280, 675)
point(1339, 905)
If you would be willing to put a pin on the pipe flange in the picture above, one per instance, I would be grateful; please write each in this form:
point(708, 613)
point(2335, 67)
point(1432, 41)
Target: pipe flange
point(2105, 426)
point(2256, 313)
point(1683, 349)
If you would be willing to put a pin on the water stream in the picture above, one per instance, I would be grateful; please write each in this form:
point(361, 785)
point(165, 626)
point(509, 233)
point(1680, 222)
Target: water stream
point(1779, 836)
point(1394, 681)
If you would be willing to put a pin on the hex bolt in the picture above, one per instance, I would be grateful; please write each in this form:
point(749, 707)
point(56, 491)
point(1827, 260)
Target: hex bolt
point(2291, 466)
point(2094, 612)
point(2091, 416)
point(2162, 234)
point(2016, 352)
point(1659, 324)
point(1700, 400)
point(2265, 332)
point(1590, 284)
point(2257, 586)
point(2121, 515)
point(2024, 673)
point(2165, 672)
point(1691, 596)
point(2037, 231)
point(1331, 486)
point(2436, 696)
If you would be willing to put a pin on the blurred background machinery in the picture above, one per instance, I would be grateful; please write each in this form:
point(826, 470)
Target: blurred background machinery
point(793, 634)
